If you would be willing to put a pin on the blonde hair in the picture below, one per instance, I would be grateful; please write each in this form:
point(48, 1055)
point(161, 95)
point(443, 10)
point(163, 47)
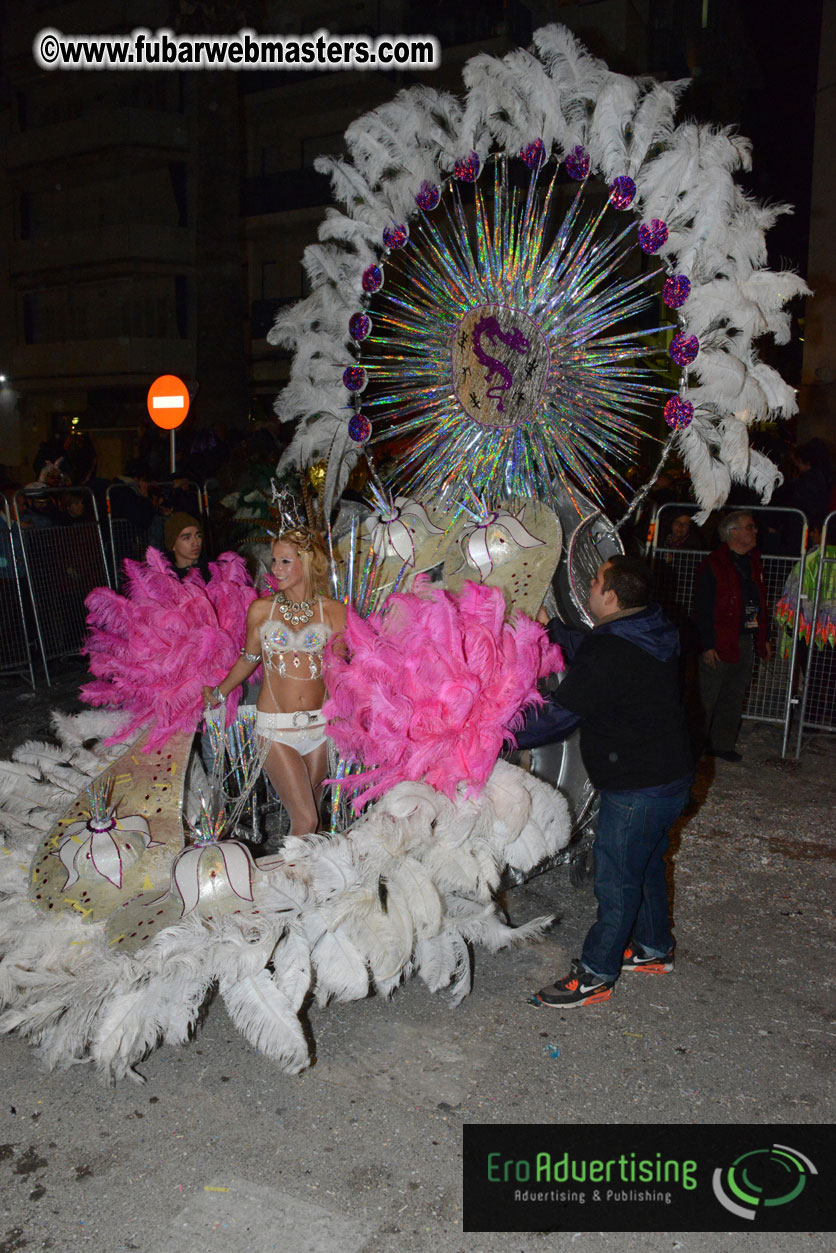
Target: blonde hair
point(311, 551)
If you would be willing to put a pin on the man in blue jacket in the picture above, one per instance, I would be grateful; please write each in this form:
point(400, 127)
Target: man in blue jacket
point(622, 689)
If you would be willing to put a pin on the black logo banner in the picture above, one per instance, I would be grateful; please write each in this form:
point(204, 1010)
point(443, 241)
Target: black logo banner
point(649, 1177)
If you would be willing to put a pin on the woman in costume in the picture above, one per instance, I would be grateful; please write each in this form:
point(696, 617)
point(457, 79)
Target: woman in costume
point(287, 634)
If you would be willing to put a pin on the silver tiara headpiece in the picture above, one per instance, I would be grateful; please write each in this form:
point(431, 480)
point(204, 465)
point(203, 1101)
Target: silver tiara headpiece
point(288, 521)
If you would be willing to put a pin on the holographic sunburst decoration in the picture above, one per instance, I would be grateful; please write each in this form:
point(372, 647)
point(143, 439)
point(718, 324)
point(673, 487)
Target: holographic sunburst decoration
point(510, 358)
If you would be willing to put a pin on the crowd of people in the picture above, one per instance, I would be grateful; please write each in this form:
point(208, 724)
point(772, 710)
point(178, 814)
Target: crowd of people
point(145, 491)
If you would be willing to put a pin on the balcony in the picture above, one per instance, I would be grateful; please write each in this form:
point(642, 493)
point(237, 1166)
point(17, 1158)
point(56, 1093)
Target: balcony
point(163, 134)
point(130, 245)
point(100, 362)
point(278, 193)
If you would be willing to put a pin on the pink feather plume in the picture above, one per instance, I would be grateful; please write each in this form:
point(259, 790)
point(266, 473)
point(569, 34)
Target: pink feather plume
point(152, 649)
point(433, 686)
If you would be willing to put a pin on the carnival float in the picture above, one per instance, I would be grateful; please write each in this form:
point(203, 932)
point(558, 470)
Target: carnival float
point(519, 285)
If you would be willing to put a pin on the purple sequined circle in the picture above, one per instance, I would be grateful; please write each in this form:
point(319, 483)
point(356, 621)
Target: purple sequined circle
point(354, 378)
point(684, 349)
point(679, 413)
point(676, 291)
point(372, 279)
point(428, 196)
point(652, 235)
point(534, 154)
point(467, 170)
point(395, 236)
point(359, 428)
point(359, 326)
point(577, 163)
point(622, 192)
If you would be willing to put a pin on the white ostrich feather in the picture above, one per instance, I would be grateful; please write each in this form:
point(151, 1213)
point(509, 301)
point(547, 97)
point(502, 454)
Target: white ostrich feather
point(416, 803)
point(770, 292)
point(608, 146)
point(719, 303)
point(710, 478)
point(292, 963)
point(340, 969)
point(507, 97)
point(660, 180)
point(437, 958)
point(444, 962)
point(781, 399)
point(90, 724)
point(263, 1014)
point(734, 448)
point(578, 77)
point(481, 924)
point(528, 850)
point(653, 120)
point(723, 377)
point(383, 144)
point(549, 811)
point(763, 476)
point(461, 979)
point(347, 183)
point(511, 805)
point(425, 903)
point(455, 870)
point(437, 120)
point(127, 1030)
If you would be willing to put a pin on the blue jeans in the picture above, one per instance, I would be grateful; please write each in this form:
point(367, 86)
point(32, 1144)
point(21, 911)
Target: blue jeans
point(630, 885)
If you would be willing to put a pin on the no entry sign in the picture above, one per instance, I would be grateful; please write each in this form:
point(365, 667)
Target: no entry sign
point(168, 401)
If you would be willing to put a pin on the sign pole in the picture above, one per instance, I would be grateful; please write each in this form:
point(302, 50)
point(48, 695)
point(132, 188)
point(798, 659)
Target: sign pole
point(168, 404)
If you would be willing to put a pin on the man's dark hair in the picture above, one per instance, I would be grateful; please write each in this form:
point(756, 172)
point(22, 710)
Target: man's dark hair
point(630, 579)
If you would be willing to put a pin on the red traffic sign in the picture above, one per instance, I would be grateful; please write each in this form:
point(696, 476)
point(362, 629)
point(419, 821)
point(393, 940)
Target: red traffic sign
point(168, 401)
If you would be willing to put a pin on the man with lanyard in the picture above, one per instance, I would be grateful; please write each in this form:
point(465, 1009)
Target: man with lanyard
point(622, 689)
point(730, 611)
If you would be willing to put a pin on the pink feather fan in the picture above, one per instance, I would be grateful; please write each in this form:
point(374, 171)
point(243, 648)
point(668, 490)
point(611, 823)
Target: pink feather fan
point(152, 649)
point(433, 686)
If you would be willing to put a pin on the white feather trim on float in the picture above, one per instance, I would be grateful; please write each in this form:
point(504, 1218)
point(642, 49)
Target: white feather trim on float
point(405, 892)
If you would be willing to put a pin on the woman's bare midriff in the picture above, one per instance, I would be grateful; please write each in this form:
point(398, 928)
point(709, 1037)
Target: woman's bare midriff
point(290, 695)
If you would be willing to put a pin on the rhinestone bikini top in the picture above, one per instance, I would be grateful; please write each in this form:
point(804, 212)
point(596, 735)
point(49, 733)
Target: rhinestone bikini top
point(283, 647)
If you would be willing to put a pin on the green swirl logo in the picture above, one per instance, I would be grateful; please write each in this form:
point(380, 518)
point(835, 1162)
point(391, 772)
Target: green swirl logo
point(762, 1178)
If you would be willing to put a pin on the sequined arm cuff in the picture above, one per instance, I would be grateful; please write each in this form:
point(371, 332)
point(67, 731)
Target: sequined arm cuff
point(252, 658)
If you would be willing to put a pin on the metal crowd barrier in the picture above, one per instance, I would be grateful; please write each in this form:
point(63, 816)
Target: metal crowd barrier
point(63, 563)
point(817, 709)
point(15, 653)
point(770, 697)
point(127, 539)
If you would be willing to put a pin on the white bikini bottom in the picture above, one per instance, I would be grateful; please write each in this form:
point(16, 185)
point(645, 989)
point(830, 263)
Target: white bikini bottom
point(303, 730)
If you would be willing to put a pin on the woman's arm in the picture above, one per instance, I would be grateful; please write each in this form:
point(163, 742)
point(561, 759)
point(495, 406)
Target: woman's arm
point(335, 615)
point(243, 667)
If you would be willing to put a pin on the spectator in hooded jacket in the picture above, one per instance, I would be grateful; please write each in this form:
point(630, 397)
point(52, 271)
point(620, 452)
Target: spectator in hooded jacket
point(622, 689)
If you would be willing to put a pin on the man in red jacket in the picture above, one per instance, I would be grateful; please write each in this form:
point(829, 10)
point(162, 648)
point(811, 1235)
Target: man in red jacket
point(730, 609)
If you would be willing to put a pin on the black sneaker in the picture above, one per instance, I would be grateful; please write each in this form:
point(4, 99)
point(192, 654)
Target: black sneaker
point(633, 960)
point(578, 988)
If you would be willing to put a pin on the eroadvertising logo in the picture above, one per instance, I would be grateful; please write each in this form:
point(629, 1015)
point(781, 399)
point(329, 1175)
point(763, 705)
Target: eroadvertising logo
point(648, 1177)
point(773, 1176)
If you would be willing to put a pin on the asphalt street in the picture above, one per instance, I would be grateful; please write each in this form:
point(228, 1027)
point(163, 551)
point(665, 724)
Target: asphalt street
point(220, 1151)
